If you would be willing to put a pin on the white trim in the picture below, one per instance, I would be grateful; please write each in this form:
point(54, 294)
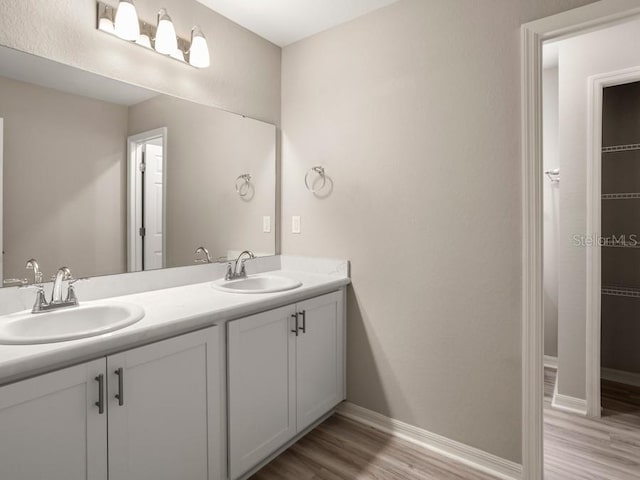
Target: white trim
point(570, 23)
point(134, 197)
point(568, 404)
point(597, 84)
point(551, 362)
point(473, 457)
point(619, 376)
point(1, 197)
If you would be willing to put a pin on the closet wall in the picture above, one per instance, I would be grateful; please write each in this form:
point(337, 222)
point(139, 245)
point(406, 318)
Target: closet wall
point(621, 228)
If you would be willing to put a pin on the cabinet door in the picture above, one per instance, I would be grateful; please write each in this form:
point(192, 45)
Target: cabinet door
point(164, 410)
point(320, 358)
point(261, 351)
point(51, 428)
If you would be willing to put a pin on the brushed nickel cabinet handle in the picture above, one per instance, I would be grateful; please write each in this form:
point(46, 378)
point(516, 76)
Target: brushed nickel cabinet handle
point(304, 321)
point(100, 402)
point(120, 394)
point(296, 331)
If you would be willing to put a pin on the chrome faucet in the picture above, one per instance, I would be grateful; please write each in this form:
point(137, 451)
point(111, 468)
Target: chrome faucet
point(32, 264)
point(41, 305)
point(232, 271)
point(204, 253)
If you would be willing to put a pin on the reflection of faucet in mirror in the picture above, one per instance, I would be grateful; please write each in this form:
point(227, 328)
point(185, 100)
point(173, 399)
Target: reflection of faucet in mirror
point(32, 264)
point(232, 271)
point(41, 304)
point(205, 254)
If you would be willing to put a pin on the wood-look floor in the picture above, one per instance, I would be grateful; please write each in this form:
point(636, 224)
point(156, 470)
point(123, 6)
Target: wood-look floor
point(340, 449)
point(607, 448)
point(576, 448)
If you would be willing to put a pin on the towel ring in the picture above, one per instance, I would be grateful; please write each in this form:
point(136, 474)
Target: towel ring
point(320, 171)
point(243, 184)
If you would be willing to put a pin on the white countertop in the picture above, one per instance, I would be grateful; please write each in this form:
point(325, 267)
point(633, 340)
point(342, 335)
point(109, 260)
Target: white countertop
point(168, 312)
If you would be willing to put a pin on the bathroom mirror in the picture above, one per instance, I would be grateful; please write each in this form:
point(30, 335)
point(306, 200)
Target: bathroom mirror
point(106, 177)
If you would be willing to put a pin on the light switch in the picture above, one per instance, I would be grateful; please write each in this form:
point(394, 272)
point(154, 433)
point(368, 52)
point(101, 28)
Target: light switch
point(295, 224)
point(266, 224)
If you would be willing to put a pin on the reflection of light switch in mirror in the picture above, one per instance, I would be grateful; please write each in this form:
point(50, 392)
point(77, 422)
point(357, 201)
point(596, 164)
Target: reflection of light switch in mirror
point(295, 224)
point(266, 224)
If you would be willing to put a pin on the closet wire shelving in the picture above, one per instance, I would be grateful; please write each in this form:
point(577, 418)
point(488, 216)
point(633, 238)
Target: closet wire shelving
point(617, 290)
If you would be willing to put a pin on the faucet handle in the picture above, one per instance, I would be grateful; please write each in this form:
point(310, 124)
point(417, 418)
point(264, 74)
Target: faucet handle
point(15, 282)
point(229, 274)
point(243, 269)
point(73, 281)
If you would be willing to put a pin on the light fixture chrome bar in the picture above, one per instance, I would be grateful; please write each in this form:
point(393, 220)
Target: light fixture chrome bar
point(147, 29)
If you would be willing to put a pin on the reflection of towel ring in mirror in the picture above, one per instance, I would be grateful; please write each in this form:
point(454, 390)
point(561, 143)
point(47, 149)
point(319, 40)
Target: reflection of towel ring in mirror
point(320, 171)
point(243, 184)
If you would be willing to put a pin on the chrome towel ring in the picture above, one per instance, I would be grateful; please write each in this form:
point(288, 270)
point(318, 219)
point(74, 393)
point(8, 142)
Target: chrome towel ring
point(243, 184)
point(319, 171)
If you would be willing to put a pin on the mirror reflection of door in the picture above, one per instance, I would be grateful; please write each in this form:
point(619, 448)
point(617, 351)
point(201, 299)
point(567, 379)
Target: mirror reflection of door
point(147, 211)
point(152, 205)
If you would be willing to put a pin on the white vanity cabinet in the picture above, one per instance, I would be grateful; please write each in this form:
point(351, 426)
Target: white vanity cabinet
point(285, 371)
point(164, 410)
point(161, 416)
point(51, 428)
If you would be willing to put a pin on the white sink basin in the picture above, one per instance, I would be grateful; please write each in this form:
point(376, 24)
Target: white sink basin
point(257, 284)
point(27, 328)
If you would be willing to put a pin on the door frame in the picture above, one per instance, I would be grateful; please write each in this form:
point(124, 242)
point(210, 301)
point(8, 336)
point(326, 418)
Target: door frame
point(1, 200)
point(597, 84)
point(533, 34)
point(135, 247)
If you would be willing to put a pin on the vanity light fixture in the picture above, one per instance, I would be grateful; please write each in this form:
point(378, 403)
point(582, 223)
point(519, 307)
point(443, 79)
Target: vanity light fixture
point(166, 40)
point(199, 50)
point(105, 20)
point(162, 37)
point(126, 23)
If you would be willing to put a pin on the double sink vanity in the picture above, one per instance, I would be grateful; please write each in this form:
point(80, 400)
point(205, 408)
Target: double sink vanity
point(202, 379)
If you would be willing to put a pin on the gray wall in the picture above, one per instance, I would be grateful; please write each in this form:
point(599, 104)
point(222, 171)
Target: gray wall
point(63, 156)
point(414, 111)
point(580, 58)
point(207, 150)
point(244, 76)
point(551, 201)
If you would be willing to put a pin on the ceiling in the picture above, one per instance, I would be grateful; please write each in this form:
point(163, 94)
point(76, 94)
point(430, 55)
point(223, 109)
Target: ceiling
point(286, 21)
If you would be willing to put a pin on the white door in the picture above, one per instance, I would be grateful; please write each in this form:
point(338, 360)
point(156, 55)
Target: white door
point(165, 423)
point(262, 415)
point(153, 207)
point(51, 427)
point(320, 358)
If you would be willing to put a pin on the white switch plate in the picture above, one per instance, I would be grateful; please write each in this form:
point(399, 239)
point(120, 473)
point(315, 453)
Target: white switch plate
point(295, 224)
point(266, 224)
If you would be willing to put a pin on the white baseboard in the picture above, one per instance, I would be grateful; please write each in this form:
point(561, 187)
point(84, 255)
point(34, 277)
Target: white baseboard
point(551, 362)
point(628, 378)
point(568, 404)
point(473, 457)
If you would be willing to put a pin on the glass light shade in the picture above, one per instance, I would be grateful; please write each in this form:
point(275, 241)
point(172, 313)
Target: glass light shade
point(144, 40)
point(178, 54)
point(199, 50)
point(166, 41)
point(106, 25)
point(126, 24)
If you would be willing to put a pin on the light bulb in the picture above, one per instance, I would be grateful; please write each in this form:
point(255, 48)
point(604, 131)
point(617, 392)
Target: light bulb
point(126, 24)
point(199, 50)
point(166, 41)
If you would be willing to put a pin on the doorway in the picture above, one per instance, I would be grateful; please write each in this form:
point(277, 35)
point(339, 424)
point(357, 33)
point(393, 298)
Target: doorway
point(601, 15)
point(147, 162)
